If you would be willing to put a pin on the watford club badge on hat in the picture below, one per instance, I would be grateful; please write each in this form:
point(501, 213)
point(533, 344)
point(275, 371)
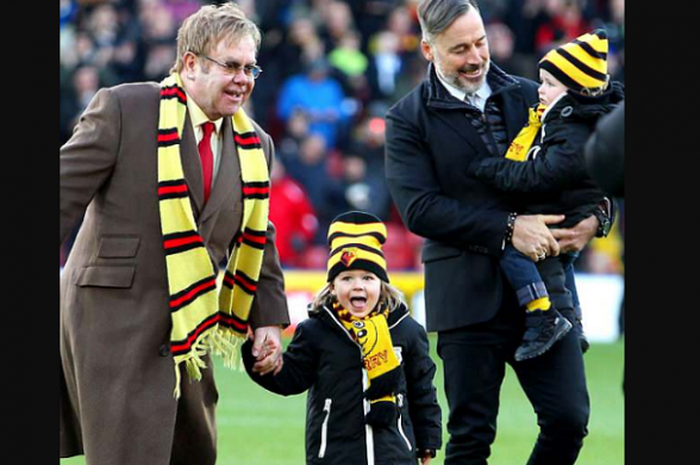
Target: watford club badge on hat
point(348, 256)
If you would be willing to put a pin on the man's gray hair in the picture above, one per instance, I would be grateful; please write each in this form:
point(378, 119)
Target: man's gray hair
point(436, 15)
point(201, 32)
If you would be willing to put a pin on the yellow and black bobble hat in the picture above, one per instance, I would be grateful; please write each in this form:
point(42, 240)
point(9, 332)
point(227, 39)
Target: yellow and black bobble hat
point(356, 239)
point(582, 63)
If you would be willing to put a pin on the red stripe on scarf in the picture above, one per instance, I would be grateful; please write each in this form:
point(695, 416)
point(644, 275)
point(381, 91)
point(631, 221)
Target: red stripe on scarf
point(172, 190)
point(252, 140)
point(172, 243)
point(229, 320)
point(174, 91)
point(243, 282)
point(257, 239)
point(168, 137)
point(184, 298)
point(186, 346)
point(256, 190)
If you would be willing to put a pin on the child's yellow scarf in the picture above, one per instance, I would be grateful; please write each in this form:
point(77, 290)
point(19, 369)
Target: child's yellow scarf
point(209, 312)
point(520, 146)
point(380, 361)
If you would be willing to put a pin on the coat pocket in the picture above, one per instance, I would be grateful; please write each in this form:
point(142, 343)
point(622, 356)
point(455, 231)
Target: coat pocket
point(118, 247)
point(324, 429)
point(120, 277)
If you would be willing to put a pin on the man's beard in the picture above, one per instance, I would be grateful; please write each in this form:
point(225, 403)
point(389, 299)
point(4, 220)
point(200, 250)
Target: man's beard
point(462, 83)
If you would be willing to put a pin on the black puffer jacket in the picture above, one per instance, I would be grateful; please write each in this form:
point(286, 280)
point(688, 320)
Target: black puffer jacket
point(323, 359)
point(555, 178)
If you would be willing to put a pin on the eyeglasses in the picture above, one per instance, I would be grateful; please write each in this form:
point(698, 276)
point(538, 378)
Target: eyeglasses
point(233, 68)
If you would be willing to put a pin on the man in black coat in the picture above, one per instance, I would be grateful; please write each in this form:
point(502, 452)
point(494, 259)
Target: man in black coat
point(466, 109)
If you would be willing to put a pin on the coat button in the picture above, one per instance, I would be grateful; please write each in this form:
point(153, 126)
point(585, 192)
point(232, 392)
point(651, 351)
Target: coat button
point(164, 350)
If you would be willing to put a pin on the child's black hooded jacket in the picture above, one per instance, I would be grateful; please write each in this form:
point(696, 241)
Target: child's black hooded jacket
point(323, 359)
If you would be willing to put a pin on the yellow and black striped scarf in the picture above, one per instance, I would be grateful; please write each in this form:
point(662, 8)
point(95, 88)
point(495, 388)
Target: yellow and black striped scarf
point(522, 143)
point(209, 312)
point(372, 334)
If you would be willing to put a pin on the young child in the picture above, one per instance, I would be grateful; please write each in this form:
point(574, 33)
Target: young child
point(363, 359)
point(550, 177)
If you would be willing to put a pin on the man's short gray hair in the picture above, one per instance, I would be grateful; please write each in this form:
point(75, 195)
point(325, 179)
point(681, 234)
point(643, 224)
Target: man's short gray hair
point(436, 15)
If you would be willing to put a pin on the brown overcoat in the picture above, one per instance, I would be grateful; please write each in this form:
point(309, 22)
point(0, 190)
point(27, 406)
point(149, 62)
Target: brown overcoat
point(117, 373)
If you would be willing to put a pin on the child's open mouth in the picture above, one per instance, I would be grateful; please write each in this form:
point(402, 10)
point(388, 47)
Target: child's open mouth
point(359, 302)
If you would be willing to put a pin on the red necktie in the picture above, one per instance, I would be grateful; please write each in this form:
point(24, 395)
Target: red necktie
point(207, 157)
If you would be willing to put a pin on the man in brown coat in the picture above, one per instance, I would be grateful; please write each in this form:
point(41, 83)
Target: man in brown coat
point(117, 402)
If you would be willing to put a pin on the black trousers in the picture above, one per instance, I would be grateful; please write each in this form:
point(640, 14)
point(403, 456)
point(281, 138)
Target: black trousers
point(475, 359)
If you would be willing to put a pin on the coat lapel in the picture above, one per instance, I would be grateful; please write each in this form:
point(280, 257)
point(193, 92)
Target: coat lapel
point(451, 111)
point(459, 123)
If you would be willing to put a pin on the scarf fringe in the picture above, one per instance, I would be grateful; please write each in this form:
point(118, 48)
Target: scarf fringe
point(221, 342)
point(227, 345)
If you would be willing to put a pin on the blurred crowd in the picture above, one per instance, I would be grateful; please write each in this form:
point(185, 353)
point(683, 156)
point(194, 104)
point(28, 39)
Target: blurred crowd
point(331, 70)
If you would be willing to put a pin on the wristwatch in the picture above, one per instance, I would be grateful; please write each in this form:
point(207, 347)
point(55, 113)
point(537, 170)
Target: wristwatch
point(604, 215)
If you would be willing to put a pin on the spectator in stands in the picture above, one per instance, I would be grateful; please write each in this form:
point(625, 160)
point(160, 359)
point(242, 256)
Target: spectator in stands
point(159, 58)
point(84, 85)
point(319, 97)
point(349, 67)
point(181, 9)
point(502, 46)
point(366, 187)
point(405, 27)
point(311, 169)
point(386, 66)
point(565, 22)
point(293, 214)
point(347, 56)
point(337, 24)
point(126, 62)
point(372, 15)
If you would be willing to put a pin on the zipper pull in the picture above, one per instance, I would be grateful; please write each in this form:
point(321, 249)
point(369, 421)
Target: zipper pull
point(327, 406)
point(400, 400)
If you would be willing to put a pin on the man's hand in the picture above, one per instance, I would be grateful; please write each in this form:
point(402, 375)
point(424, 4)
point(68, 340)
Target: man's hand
point(267, 350)
point(575, 239)
point(532, 237)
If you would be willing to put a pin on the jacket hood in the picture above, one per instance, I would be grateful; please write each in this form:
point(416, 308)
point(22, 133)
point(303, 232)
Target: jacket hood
point(585, 107)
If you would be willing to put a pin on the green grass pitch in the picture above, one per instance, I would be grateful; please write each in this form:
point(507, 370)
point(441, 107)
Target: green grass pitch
point(259, 428)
